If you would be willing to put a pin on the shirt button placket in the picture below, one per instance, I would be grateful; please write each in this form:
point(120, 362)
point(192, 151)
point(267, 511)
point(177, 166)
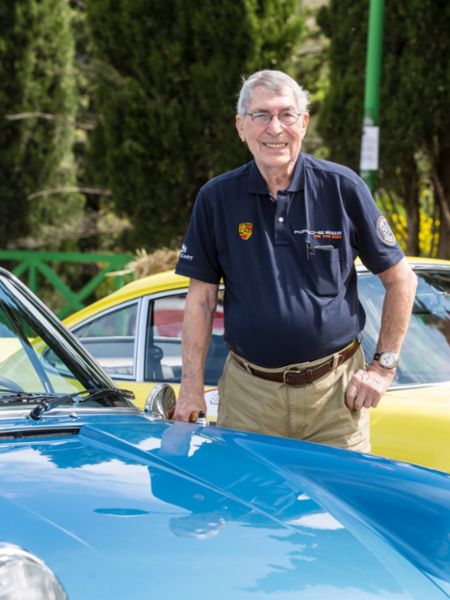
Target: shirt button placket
point(281, 235)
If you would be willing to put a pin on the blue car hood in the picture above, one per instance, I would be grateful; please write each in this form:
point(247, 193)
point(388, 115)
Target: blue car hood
point(121, 507)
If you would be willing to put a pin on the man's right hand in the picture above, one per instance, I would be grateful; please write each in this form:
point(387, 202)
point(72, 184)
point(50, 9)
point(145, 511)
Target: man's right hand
point(188, 406)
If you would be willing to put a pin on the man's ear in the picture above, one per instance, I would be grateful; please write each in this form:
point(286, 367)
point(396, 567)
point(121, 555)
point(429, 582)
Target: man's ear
point(240, 128)
point(305, 121)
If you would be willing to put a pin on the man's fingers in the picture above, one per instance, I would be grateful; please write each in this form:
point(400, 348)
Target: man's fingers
point(187, 416)
point(187, 409)
point(360, 392)
point(350, 395)
point(353, 390)
point(180, 415)
point(365, 390)
point(360, 400)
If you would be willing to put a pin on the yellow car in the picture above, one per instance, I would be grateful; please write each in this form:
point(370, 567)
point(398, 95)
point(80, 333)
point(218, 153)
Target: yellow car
point(135, 335)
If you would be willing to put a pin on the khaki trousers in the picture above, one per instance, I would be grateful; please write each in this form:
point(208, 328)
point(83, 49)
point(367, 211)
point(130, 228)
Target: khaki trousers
point(315, 412)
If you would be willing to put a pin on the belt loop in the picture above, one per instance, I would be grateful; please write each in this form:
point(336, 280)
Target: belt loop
point(335, 361)
point(243, 363)
point(247, 368)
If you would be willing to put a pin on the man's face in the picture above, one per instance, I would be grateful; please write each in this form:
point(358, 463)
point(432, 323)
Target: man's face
point(274, 146)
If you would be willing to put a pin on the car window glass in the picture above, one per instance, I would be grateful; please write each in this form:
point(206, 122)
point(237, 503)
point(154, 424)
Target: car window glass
point(163, 341)
point(38, 356)
point(425, 356)
point(111, 339)
point(25, 364)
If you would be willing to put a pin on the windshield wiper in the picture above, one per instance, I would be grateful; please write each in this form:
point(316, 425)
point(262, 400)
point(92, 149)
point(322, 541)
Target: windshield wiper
point(23, 397)
point(47, 402)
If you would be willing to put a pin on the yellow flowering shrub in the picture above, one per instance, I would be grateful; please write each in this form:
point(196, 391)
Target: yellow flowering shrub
point(428, 228)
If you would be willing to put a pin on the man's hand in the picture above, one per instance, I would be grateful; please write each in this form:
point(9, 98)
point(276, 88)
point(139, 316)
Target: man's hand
point(367, 387)
point(188, 406)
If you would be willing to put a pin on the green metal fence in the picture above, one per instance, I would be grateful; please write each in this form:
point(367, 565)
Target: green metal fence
point(38, 268)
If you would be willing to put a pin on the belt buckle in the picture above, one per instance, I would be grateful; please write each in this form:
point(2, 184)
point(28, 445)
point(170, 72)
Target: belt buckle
point(294, 372)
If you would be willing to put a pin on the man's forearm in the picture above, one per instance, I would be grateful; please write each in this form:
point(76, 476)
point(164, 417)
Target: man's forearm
point(198, 320)
point(197, 327)
point(367, 386)
point(400, 288)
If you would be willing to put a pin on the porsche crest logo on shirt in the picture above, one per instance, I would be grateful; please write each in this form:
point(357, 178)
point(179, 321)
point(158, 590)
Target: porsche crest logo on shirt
point(245, 231)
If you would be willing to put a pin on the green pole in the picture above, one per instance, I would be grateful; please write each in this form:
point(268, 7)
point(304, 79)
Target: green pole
point(370, 132)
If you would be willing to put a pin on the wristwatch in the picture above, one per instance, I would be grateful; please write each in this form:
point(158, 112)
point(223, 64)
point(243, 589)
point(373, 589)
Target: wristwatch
point(387, 360)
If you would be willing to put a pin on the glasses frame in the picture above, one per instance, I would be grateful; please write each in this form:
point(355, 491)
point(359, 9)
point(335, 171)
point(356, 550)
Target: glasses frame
point(271, 116)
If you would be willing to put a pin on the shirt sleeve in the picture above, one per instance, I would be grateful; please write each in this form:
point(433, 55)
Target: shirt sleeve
point(198, 257)
point(374, 240)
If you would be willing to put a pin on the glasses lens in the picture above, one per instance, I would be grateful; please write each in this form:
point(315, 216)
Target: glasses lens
point(262, 118)
point(288, 117)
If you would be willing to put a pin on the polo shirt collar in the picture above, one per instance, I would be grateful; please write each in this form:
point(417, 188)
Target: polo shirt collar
point(257, 185)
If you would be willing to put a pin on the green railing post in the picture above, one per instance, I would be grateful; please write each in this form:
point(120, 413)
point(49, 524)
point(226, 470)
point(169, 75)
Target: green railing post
point(370, 132)
point(34, 266)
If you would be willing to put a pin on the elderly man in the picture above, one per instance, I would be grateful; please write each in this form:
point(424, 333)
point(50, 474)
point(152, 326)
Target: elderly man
point(283, 232)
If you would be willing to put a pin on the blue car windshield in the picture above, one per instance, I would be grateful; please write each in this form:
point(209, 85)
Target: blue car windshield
point(425, 356)
point(37, 355)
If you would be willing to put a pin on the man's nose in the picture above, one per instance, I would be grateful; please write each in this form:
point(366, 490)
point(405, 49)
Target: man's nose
point(275, 126)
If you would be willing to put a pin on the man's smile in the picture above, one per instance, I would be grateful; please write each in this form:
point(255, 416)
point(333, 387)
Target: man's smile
point(275, 145)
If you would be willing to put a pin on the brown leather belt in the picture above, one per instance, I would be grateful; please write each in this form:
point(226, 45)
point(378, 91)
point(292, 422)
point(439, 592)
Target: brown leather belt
point(301, 376)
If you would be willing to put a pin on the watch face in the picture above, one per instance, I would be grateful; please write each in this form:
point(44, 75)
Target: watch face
point(388, 360)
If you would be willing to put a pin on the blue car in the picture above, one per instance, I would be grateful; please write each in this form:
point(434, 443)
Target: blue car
point(99, 500)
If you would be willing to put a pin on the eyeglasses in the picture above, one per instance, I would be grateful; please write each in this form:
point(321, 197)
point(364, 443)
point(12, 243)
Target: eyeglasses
point(264, 117)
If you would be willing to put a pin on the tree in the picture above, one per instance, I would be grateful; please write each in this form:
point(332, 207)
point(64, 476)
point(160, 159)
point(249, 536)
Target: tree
point(414, 121)
point(167, 89)
point(344, 22)
point(420, 82)
point(37, 108)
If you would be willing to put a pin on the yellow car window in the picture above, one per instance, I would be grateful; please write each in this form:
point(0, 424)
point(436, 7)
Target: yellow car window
point(425, 356)
point(163, 341)
point(111, 339)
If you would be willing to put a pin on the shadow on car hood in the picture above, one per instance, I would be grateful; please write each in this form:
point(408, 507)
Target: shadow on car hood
point(125, 508)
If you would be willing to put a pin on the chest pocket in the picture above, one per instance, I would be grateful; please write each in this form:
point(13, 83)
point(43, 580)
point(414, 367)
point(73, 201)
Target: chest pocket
point(324, 269)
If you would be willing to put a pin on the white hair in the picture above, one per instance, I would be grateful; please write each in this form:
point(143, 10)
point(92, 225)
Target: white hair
point(275, 81)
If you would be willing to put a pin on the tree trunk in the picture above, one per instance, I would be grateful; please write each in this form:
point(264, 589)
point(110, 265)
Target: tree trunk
point(440, 173)
point(411, 187)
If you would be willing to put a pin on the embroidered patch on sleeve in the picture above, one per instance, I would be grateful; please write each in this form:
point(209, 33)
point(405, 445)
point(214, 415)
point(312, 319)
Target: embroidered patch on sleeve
point(385, 232)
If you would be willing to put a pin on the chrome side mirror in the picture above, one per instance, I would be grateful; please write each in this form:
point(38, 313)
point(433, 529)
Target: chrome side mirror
point(160, 403)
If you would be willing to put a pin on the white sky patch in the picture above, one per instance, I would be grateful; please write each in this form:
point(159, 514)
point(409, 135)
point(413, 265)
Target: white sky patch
point(196, 442)
point(31, 466)
point(150, 443)
point(303, 497)
point(318, 521)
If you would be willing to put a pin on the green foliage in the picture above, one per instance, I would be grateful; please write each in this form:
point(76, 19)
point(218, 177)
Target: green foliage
point(340, 116)
point(414, 116)
point(166, 93)
point(37, 104)
point(415, 150)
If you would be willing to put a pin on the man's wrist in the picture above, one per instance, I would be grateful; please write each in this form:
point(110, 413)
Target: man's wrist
point(374, 367)
point(386, 360)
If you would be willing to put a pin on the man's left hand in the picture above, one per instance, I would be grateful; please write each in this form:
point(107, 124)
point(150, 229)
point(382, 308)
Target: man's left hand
point(367, 387)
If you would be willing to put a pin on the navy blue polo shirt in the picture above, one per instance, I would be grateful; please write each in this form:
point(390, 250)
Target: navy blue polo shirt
point(288, 265)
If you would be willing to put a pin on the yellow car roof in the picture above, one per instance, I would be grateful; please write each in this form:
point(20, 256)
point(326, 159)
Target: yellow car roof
point(169, 280)
point(135, 289)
